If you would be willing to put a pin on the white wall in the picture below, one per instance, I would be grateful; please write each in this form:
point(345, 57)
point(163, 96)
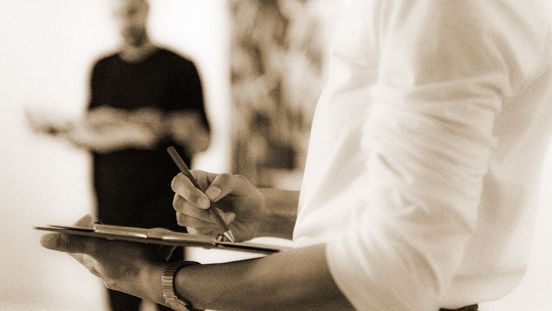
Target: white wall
point(47, 47)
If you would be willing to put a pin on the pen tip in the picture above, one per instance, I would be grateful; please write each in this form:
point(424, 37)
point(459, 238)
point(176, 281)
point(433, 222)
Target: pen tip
point(230, 236)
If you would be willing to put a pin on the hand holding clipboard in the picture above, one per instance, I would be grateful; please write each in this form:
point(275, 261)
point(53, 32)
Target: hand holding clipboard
point(160, 236)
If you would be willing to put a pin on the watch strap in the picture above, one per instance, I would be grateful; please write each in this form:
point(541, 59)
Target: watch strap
point(167, 282)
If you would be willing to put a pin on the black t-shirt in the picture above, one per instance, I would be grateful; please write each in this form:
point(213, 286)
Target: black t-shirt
point(133, 185)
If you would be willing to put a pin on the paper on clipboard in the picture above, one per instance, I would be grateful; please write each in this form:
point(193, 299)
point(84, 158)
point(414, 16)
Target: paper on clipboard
point(161, 236)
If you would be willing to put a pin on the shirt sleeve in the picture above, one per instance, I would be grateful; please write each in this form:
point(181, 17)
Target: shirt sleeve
point(445, 69)
point(95, 82)
point(191, 92)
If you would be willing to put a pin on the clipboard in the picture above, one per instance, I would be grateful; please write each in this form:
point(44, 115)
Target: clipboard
point(161, 236)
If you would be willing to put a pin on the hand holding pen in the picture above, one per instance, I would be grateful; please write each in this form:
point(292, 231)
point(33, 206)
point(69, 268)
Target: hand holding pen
point(186, 171)
point(240, 202)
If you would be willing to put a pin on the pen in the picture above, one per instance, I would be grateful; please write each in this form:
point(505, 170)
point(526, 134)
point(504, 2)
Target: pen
point(186, 171)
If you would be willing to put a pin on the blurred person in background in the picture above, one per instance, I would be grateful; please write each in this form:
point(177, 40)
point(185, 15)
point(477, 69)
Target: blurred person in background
point(420, 184)
point(142, 99)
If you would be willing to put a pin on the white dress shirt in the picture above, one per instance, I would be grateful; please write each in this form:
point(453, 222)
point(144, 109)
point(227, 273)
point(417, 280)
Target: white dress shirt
point(426, 150)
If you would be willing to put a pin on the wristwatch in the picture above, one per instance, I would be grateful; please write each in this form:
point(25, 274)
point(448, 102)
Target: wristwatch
point(167, 283)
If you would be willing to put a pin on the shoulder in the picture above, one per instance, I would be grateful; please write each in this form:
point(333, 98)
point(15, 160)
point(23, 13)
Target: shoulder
point(105, 60)
point(176, 58)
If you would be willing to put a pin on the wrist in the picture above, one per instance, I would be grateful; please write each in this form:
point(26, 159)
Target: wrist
point(170, 294)
point(280, 212)
point(151, 282)
point(266, 215)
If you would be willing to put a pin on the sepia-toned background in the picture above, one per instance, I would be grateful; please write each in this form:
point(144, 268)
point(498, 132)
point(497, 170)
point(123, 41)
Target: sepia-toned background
point(262, 63)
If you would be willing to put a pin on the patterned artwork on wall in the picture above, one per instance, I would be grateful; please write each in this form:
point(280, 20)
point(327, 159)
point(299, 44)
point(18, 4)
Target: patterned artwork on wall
point(277, 58)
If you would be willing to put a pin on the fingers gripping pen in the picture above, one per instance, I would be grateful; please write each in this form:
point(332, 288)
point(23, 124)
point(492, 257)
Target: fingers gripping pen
point(186, 171)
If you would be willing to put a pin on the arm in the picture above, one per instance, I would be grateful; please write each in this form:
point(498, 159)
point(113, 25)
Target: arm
point(187, 122)
point(294, 280)
point(445, 70)
point(106, 129)
point(187, 130)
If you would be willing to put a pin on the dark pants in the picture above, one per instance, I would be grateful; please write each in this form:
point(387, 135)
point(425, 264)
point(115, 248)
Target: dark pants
point(133, 189)
point(468, 308)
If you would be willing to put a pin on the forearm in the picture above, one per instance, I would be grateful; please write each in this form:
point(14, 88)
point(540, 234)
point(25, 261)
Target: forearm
point(282, 208)
point(293, 280)
point(199, 141)
point(186, 128)
point(106, 129)
point(150, 117)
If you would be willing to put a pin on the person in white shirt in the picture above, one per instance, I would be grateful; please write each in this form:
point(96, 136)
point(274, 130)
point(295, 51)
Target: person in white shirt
point(421, 178)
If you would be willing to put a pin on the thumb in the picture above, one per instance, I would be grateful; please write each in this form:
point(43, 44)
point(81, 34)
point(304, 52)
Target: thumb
point(66, 243)
point(225, 184)
point(69, 244)
point(85, 221)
